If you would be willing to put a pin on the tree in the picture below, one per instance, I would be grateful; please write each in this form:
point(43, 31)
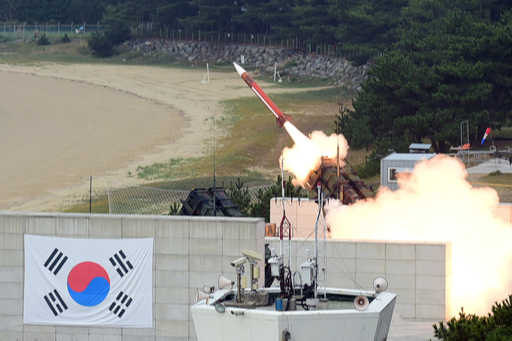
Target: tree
point(8, 9)
point(81, 11)
point(262, 207)
point(448, 66)
point(277, 16)
point(315, 21)
point(240, 197)
point(214, 16)
point(169, 13)
point(367, 28)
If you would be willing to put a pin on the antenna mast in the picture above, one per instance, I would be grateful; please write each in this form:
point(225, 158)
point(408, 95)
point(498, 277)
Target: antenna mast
point(285, 228)
point(320, 273)
point(214, 171)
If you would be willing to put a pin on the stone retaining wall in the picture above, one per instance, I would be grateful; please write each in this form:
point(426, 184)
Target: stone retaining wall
point(291, 63)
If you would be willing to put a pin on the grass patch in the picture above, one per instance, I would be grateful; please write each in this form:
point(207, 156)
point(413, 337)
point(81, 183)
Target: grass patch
point(159, 171)
point(503, 132)
point(77, 51)
point(498, 178)
point(253, 139)
point(295, 82)
point(251, 142)
point(99, 205)
point(249, 179)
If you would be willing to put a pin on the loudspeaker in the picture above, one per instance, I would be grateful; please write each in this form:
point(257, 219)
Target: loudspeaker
point(208, 289)
point(380, 284)
point(361, 302)
point(202, 296)
point(224, 282)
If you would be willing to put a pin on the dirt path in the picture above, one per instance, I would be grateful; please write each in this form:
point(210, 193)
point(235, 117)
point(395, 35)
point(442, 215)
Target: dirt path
point(61, 123)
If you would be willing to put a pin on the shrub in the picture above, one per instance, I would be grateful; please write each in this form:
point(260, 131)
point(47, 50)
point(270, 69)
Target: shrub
point(65, 39)
point(103, 44)
point(261, 208)
point(496, 326)
point(43, 40)
point(100, 44)
point(118, 33)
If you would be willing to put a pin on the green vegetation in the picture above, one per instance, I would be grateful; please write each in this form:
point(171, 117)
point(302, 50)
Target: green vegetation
point(99, 205)
point(78, 51)
point(159, 171)
point(246, 137)
point(450, 63)
point(65, 39)
point(100, 44)
point(496, 326)
point(498, 178)
point(262, 207)
point(359, 30)
point(42, 40)
point(104, 43)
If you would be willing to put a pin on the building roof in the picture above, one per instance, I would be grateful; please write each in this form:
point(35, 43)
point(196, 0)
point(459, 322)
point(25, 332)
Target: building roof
point(408, 156)
point(422, 146)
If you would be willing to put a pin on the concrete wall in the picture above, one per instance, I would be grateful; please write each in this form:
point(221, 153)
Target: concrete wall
point(420, 273)
point(189, 252)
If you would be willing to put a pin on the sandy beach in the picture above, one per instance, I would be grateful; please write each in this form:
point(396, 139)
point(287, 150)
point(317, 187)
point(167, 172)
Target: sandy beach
point(59, 124)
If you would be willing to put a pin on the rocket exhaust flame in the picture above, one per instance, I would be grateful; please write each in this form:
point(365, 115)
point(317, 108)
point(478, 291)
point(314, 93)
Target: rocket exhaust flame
point(307, 153)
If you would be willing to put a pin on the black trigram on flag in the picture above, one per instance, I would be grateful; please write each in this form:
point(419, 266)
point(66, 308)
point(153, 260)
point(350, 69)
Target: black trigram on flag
point(55, 302)
point(121, 264)
point(55, 261)
point(119, 306)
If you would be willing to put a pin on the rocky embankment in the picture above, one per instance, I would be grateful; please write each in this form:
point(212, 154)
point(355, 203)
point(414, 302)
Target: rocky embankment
point(291, 63)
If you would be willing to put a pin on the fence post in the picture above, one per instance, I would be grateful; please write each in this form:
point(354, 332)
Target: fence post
point(58, 29)
point(90, 195)
point(84, 29)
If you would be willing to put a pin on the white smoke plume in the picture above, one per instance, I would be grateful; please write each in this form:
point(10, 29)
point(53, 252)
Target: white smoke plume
point(437, 204)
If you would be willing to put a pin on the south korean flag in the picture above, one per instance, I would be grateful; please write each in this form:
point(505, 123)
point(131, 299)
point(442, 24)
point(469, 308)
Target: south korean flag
point(88, 282)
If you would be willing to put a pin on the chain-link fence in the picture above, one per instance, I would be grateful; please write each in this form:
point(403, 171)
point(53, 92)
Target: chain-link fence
point(126, 198)
point(25, 31)
point(154, 30)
